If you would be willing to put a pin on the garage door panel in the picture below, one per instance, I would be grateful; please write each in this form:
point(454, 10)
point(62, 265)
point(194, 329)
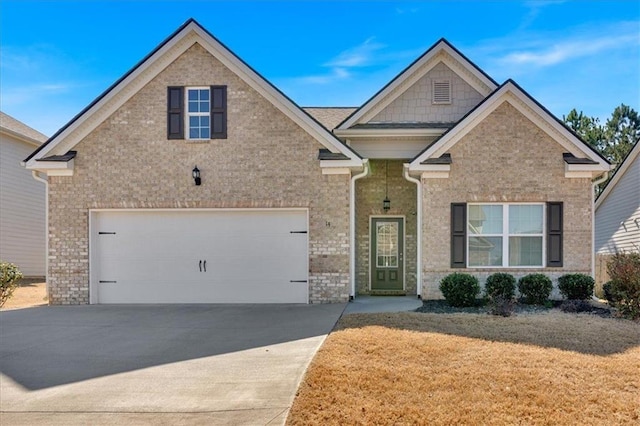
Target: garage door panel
point(154, 256)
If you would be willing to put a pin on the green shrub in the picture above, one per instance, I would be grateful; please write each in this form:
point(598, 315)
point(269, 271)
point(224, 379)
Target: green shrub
point(460, 289)
point(576, 286)
point(9, 277)
point(500, 284)
point(535, 288)
point(623, 291)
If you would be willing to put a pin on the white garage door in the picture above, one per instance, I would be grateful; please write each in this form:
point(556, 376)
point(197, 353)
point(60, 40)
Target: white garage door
point(199, 256)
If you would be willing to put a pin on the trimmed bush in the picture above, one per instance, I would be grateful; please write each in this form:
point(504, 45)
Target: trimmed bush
point(535, 289)
point(460, 289)
point(9, 277)
point(500, 290)
point(500, 284)
point(576, 286)
point(623, 291)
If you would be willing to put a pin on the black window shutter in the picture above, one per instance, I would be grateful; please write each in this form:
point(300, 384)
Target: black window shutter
point(175, 112)
point(218, 112)
point(458, 235)
point(554, 234)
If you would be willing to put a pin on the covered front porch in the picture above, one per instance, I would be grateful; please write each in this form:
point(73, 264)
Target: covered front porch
point(386, 232)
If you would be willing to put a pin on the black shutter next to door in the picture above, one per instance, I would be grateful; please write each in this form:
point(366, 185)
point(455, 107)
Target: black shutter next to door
point(175, 112)
point(554, 234)
point(218, 112)
point(458, 235)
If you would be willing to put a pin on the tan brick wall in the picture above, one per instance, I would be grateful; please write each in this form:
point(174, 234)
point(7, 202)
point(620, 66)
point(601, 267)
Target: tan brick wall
point(415, 104)
point(370, 193)
point(506, 158)
point(266, 161)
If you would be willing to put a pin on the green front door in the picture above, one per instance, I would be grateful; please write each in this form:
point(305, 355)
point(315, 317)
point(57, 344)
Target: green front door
point(387, 253)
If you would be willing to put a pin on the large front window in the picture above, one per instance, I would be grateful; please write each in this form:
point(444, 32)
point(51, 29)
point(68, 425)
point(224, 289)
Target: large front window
point(505, 235)
point(198, 109)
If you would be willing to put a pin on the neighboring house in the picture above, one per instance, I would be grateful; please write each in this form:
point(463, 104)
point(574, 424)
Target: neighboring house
point(193, 179)
point(617, 213)
point(22, 200)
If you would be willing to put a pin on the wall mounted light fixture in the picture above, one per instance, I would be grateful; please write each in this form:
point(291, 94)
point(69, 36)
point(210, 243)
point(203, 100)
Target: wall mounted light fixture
point(386, 203)
point(196, 175)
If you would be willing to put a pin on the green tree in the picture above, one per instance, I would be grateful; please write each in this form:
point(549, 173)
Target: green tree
point(622, 132)
point(614, 139)
point(588, 128)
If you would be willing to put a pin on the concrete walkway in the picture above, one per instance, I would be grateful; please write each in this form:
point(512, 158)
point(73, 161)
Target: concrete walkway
point(374, 304)
point(163, 364)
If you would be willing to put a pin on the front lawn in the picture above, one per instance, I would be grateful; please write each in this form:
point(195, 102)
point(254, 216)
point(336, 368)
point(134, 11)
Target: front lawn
point(416, 368)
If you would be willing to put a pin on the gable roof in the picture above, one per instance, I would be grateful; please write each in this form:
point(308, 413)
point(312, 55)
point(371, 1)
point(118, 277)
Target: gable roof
point(511, 92)
point(170, 49)
point(472, 74)
point(631, 156)
point(18, 129)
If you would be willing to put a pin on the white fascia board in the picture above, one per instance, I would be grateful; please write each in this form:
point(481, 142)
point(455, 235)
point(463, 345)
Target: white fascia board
point(20, 136)
point(510, 93)
point(338, 164)
point(274, 96)
point(432, 171)
point(410, 76)
point(387, 133)
point(114, 99)
point(53, 168)
point(590, 171)
point(633, 155)
point(162, 58)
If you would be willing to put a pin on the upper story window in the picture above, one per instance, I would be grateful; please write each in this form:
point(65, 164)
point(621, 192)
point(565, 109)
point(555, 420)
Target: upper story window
point(505, 235)
point(198, 113)
point(202, 111)
point(441, 91)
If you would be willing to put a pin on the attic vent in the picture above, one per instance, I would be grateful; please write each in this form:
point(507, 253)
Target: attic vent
point(441, 91)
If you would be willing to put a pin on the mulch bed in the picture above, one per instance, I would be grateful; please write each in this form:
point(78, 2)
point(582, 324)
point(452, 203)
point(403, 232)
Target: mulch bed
point(569, 306)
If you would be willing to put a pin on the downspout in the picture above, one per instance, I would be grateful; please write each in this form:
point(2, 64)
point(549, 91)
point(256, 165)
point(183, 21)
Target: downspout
point(352, 228)
point(593, 221)
point(35, 175)
point(418, 229)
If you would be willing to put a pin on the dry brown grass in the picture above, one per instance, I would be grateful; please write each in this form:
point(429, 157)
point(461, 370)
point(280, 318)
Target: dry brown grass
point(27, 295)
point(413, 368)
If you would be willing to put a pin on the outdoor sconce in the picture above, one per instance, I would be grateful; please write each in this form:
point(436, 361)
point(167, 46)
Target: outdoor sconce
point(196, 175)
point(386, 204)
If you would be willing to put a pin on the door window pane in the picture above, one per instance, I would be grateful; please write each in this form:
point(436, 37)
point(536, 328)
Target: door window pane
point(387, 244)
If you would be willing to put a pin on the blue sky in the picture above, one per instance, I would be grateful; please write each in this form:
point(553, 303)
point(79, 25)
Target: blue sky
point(57, 56)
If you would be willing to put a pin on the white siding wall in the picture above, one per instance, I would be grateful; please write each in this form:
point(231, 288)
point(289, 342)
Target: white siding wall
point(22, 210)
point(618, 217)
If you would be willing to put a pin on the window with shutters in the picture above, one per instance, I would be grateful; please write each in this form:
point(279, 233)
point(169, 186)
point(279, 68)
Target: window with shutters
point(505, 235)
point(197, 113)
point(441, 92)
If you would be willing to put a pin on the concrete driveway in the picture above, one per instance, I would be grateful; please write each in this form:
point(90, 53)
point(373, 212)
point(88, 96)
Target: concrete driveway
point(161, 364)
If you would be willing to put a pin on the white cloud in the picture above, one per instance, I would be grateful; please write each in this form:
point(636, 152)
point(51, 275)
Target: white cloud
point(555, 53)
point(358, 56)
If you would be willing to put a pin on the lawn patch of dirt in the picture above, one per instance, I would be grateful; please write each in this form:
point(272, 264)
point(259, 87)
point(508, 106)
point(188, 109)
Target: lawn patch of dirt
point(27, 296)
point(417, 368)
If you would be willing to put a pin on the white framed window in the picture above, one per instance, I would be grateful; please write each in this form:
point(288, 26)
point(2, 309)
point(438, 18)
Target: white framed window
point(198, 107)
point(505, 235)
point(441, 92)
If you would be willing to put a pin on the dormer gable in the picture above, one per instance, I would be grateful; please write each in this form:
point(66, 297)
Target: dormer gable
point(439, 88)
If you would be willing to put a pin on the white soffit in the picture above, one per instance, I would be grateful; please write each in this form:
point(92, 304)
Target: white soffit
point(511, 92)
point(168, 52)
